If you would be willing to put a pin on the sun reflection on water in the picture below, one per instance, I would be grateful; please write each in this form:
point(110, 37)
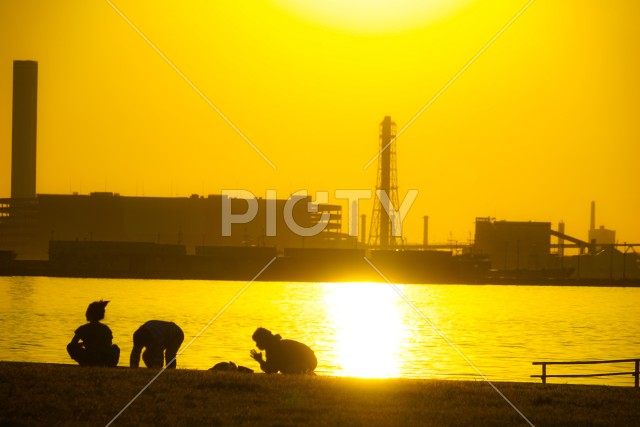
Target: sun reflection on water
point(369, 329)
point(355, 329)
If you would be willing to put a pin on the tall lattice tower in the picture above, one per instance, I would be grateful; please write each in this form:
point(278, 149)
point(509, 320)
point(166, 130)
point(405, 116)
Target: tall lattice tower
point(381, 231)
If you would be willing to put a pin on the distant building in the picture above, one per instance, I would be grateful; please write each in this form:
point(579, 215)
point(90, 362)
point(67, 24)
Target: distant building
point(18, 228)
point(27, 226)
point(116, 259)
point(599, 236)
point(514, 245)
point(606, 262)
point(29, 222)
point(602, 236)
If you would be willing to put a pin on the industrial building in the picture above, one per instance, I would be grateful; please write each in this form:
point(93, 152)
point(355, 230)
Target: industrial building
point(27, 225)
point(514, 245)
point(111, 235)
point(600, 235)
point(29, 221)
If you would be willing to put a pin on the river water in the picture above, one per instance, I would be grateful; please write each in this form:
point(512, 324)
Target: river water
point(356, 329)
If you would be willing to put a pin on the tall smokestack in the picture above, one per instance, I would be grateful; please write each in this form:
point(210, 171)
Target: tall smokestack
point(23, 137)
point(363, 228)
point(425, 237)
point(385, 180)
point(593, 216)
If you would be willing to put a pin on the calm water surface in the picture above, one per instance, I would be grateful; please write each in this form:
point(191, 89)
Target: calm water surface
point(356, 329)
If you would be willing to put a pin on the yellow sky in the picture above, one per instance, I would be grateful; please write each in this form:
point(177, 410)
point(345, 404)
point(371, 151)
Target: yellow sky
point(541, 124)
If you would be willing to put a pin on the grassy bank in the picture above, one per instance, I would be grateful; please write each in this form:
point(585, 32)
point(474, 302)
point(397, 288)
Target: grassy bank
point(40, 394)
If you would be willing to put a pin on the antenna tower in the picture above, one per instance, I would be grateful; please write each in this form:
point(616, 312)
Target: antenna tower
point(381, 231)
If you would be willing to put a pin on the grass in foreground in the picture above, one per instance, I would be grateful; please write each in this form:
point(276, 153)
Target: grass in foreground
point(41, 394)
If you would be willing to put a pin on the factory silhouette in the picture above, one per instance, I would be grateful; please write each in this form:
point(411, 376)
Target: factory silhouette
point(104, 234)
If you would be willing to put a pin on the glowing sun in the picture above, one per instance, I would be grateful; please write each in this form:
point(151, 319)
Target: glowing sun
point(373, 15)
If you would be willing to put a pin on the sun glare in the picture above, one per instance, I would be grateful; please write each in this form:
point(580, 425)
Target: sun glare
point(373, 16)
point(368, 330)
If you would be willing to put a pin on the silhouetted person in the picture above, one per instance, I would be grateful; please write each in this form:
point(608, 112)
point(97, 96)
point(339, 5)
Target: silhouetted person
point(161, 340)
point(92, 343)
point(230, 367)
point(286, 356)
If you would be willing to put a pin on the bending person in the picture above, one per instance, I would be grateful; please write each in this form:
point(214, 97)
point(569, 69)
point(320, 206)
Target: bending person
point(286, 356)
point(161, 340)
point(92, 343)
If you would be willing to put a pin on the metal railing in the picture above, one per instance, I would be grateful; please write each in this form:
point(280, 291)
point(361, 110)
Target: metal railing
point(544, 376)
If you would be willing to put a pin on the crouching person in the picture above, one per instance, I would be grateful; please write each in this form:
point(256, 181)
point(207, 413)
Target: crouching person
point(161, 341)
point(286, 356)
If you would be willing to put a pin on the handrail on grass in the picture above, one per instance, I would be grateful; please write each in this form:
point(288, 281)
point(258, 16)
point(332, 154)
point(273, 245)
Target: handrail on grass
point(544, 376)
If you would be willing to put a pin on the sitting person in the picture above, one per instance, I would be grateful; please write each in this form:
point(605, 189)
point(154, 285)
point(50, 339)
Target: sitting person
point(286, 356)
point(162, 341)
point(92, 343)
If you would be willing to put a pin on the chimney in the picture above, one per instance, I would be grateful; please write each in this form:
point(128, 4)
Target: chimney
point(425, 237)
point(23, 133)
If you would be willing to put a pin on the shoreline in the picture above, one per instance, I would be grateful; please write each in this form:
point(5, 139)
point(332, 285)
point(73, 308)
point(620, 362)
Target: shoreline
point(100, 260)
point(484, 281)
point(45, 394)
